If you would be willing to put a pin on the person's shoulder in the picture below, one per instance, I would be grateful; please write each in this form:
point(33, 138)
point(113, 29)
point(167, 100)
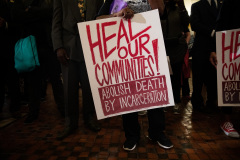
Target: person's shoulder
point(198, 3)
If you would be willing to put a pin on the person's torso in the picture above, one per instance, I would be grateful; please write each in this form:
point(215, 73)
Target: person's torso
point(172, 27)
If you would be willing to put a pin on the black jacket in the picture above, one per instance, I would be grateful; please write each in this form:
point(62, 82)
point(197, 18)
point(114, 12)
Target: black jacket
point(203, 22)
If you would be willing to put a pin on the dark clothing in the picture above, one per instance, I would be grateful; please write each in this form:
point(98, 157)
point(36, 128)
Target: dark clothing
point(174, 28)
point(156, 121)
point(105, 9)
point(65, 35)
point(36, 21)
point(176, 80)
point(229, 15)
point(203, 22)
point(29, 23)
point(50, 69)
point(64, 30)
point(228, 18)
point(9, 76)
point(74, 73)
point(203, 72)
point(34, 17)
point(185, 87)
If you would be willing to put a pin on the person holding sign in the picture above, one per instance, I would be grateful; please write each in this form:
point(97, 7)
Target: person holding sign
point(228, 19)
point(67, 45)
point(156, 117)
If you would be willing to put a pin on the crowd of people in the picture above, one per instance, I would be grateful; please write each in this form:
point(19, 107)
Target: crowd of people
point(54, 24)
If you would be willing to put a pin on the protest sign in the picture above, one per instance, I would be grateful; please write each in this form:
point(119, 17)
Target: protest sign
point(126, 63)
point(228, 68)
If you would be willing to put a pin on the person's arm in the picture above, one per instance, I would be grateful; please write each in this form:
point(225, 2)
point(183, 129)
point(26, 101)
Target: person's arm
point(57, 28)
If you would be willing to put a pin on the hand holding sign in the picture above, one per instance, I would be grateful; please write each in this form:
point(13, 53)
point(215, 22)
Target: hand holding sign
point(125, 13)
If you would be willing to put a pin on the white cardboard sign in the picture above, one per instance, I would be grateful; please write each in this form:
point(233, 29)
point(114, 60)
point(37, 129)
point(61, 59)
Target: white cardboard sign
point(126, 63)
point(228, 68)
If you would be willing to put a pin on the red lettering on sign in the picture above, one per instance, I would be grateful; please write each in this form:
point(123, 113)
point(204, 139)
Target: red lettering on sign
point(121, 28)
point(97, 43)
point(105, 39)
point(236, 46)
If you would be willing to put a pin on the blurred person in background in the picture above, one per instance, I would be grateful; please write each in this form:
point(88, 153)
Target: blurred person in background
point(9, 81)
point(203, 22)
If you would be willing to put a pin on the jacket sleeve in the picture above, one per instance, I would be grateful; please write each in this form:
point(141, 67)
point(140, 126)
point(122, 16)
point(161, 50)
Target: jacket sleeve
point(57, 27)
